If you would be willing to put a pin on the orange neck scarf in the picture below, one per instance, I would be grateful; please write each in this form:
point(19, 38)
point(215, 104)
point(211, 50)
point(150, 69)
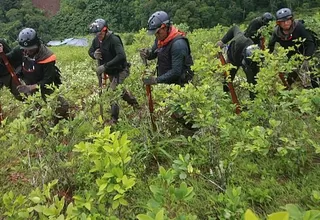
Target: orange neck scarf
point(173, 32)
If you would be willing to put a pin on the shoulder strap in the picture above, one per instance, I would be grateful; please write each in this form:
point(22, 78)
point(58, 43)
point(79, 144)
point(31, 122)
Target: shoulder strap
point(118, 37)
point(178, 38)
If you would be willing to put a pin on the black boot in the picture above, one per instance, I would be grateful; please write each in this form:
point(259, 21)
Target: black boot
point(114, 115)
point(179, 118)
point(130, 99)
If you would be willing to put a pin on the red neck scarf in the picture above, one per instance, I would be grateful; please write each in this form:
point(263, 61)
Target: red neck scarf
point(173, 32)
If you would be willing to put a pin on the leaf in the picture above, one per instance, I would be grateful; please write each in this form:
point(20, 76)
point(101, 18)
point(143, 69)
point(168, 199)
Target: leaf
point(38, 208)
point(102, 187)
point(69, 209)
point(279, 216)
point(123, 201)
point(190, 168)
point(144, 217)
point(183, 176)
point(294, 211)
point(88, 205)
point(77, 198)
point(249, 215)
point(181, 192)
point(49, 211)
point(155, 190)
point(35, 199)
point(119, 189)
point(160, 215)
point(181, 158)
point(110, 188)
point(61, 217)
point(117, 172)
point(312, 215)
point(115, 204)
point(162, 171)
point(274, 123)
point(23, 215)
point(128, 183)
point(117, 196)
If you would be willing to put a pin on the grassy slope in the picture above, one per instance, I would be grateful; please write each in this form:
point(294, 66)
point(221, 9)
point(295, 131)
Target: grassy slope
point(267, 182)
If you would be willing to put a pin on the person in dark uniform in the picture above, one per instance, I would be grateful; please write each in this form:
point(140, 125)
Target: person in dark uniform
point(108, 49)
point(254, 26)
point(238, 54)
point(172, 51)
point(38, 68)
point(171, 48)
point(5, 77)
point(287, 33)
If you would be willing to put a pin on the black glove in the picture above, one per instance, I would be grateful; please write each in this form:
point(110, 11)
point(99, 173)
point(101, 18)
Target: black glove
point(144, 53)
point(97, 54)
point(305, 66)
point(25, 88)
point(100, 69)
point(220, 44)
point(152, 80)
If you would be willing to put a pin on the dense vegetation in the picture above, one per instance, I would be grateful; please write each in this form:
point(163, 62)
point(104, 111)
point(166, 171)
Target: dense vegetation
point(132, 15)
point(265, 159)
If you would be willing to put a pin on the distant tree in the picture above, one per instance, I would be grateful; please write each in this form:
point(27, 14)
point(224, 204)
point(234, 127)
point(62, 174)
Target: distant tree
point(132, 15)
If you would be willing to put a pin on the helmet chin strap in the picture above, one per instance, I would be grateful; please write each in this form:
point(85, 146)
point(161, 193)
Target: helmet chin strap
point(102, 33)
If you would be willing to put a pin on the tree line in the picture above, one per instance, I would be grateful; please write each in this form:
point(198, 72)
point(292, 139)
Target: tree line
point(132, 15)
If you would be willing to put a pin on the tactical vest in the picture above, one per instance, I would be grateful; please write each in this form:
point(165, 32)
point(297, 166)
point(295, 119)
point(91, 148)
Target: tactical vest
point(165, 62)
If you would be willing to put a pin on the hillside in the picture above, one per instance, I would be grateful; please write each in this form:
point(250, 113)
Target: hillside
point(266, 159)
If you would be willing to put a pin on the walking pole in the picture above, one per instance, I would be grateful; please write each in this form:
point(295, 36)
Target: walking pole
point(1, 115)
point(230, 85)
point(284, 81)
point(13, 76)
point(10, 69)
point(149, 96)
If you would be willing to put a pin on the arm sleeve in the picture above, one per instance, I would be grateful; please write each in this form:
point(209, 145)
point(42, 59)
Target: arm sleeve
point(232, 32)
point(49, 71)
point(153, 53)
point(272, 42)
point(120, 54)
point(179, 52)
point(309, 44)
point(252, 29)
point(15, 55)
point(92, 49)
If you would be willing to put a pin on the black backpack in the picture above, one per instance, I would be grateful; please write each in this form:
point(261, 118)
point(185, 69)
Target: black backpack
point(314, 35)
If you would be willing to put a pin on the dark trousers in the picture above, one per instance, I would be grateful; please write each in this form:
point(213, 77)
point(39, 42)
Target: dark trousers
point(250, 72)
point(126, 95)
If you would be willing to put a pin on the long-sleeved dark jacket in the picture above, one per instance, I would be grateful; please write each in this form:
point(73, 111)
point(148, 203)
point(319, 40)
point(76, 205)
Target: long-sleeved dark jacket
point(306, 48)
point(40, 69)
point(252, 30)
point(113, 54)
point(238, 44)
point(174, 60)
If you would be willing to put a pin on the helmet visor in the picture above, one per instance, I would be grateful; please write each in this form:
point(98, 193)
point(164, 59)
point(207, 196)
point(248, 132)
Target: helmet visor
point(285, 18)
point(153, 31)
point(31, 47)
